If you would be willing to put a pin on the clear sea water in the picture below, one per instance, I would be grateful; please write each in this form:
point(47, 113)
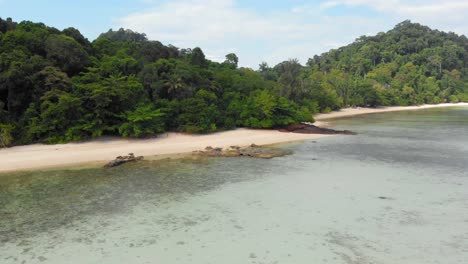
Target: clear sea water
point(395, 193)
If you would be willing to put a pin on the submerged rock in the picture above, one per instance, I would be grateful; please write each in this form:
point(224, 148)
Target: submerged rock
point(253, 151)
point(120, 160)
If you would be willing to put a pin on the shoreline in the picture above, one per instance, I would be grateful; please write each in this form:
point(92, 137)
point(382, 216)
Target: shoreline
point(350, 112)
point(98, 152)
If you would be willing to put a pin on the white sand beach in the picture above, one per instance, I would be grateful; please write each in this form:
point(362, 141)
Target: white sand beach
point(40, 156)
point(348, 112)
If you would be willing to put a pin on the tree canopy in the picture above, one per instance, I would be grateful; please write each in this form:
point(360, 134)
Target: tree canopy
point(410, 64)
point(56, 86)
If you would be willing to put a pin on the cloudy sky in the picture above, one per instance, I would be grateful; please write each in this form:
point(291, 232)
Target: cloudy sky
point(262, 30)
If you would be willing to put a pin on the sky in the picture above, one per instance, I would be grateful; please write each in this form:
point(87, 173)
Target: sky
point(257, 31)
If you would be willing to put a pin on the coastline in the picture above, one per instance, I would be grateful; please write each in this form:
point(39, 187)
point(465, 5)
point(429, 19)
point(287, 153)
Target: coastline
point(350, 112)
point(98, 152)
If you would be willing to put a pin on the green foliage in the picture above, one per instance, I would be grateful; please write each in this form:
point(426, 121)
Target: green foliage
point(123, 35)
point(410, 64)
point(6, 137)
point(77, 36)
point(57, 112)
point(7, 25)
point(232, 60)
point(365, 94)
point(268, 73)
point(17, 79)
point(453, 99)
point(121, 63)
point(266, 110)
point(66, 53)
point(289, 77)
point(198, 57)
point(322, 92)
point(463, 97)
point(198, 114)
point(145, 120)
point(56, 86)
point(106, 99)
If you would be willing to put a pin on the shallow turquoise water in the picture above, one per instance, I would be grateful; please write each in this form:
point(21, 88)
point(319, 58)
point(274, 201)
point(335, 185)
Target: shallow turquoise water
point(395, 193)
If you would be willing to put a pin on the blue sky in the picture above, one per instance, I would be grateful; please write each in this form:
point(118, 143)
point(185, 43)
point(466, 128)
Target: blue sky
point(256, 31)
point(90, 17)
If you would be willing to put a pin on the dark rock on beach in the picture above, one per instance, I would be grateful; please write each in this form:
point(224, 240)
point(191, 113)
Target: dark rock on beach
point(311, 129)
point(120, 160)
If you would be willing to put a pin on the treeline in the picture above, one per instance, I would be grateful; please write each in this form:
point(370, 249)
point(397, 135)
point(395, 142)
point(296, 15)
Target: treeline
point(56, 86)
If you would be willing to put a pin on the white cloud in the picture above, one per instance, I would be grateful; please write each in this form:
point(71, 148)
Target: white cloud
point(413, 8)
point(328, 4)
point(445, 15)
point(202, 20)
point(221, 26)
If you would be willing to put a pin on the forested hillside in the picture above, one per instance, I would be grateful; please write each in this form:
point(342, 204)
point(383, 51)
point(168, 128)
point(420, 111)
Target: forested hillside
point(409, 65)
point(56, 86)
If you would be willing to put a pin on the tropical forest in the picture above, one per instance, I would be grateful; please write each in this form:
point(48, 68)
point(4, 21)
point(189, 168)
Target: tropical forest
point(56, 86)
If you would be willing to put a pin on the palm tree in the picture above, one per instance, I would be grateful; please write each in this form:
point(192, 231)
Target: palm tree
point(175, 86)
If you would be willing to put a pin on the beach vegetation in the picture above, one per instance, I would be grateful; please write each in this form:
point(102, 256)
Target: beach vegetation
point(6, 137)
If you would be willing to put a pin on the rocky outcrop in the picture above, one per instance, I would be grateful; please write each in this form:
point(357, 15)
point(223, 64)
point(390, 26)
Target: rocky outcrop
point(311, 129)
point(252, 151)
point(120, 160)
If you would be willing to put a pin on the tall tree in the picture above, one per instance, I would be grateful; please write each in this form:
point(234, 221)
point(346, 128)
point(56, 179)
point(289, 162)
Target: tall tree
point(198, 57)
point(232, 59)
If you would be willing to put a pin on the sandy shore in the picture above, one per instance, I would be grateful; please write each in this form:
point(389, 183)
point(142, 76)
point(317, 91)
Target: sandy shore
point(41, 156)
point(348, 112)
point(98, 152)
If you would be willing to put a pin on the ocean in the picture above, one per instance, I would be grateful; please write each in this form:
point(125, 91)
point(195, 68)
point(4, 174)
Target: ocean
point(397, 192)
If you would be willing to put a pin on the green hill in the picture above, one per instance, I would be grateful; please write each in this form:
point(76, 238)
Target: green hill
point(410, 64)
